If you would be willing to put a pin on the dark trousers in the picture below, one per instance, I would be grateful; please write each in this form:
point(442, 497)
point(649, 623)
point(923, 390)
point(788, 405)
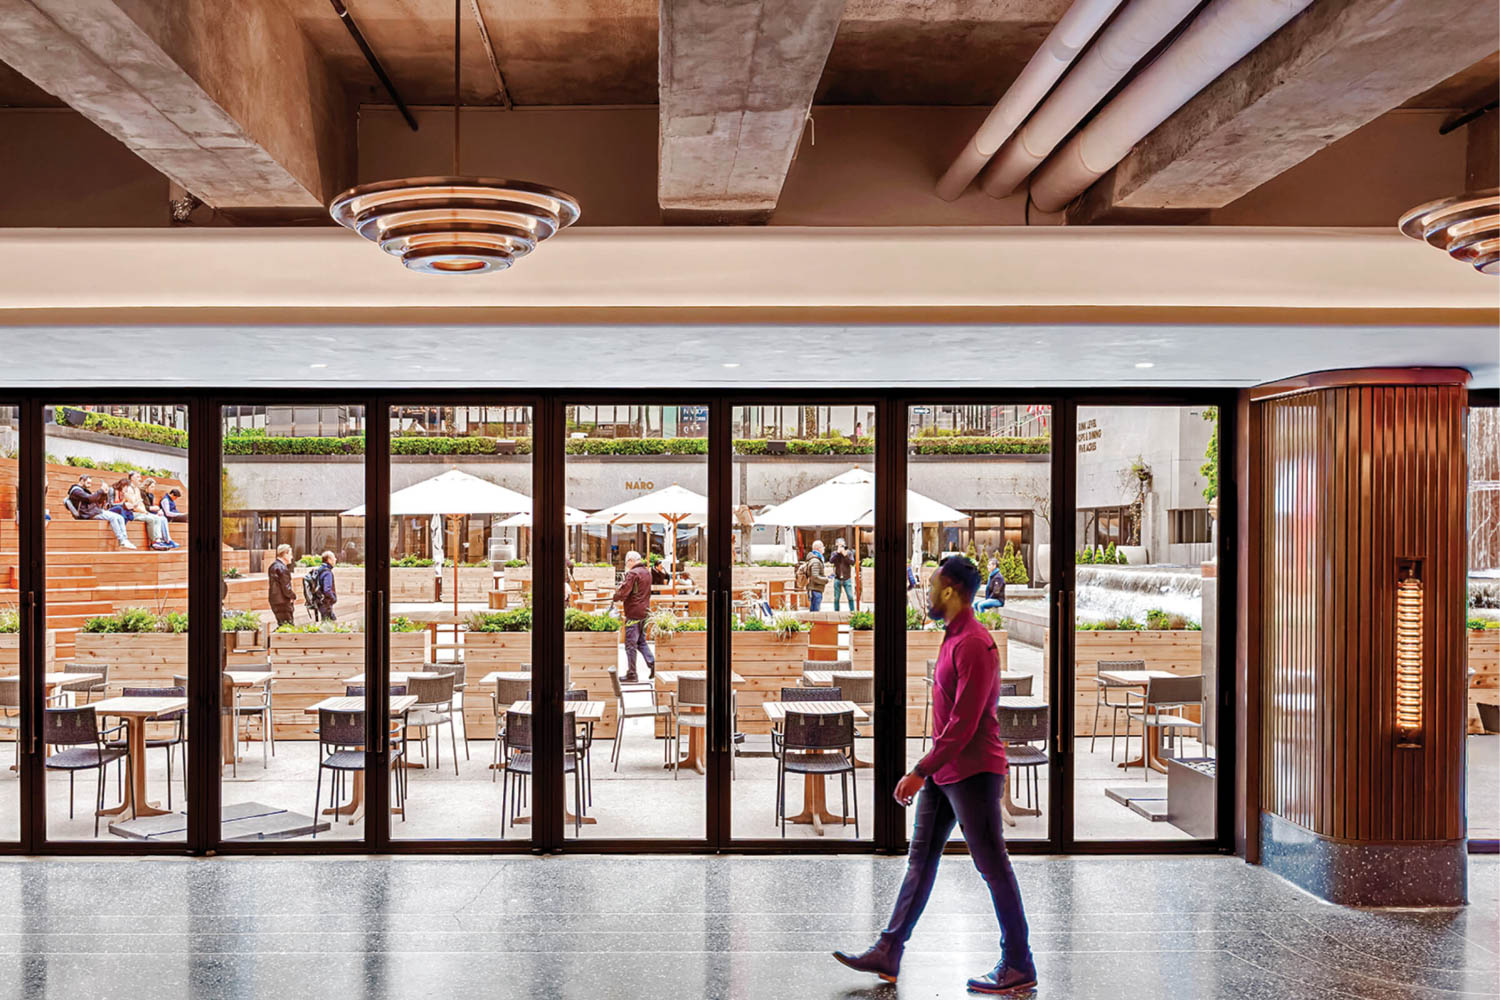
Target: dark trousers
point(283, 613)
point(975, 804)
point(635, 638)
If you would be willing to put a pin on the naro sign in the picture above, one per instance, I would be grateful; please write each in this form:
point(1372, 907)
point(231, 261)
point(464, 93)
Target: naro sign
point(639, 484)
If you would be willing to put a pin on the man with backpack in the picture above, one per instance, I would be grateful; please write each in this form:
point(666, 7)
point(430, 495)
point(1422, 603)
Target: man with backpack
point(812, 576)
point(634, 596)
point(319, 589)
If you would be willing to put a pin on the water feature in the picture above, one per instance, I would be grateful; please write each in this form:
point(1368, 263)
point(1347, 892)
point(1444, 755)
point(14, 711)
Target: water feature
point(1131, 591)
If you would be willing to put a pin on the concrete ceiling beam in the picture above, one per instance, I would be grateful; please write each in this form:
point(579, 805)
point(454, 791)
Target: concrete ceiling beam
point(228, 100)
point(737, 78)
point(1335, 67)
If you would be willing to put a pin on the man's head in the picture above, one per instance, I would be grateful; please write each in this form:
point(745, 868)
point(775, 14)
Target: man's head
point(134, 478)
point(149, 483)
point(330, 558)
point(174, 493)
point(952, 588)
point(839, 543)
point(632, 559)
point(86, 481)
point(284, 553)
point(818, 546)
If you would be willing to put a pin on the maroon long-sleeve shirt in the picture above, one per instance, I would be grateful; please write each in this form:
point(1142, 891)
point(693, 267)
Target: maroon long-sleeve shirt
point(965, 695)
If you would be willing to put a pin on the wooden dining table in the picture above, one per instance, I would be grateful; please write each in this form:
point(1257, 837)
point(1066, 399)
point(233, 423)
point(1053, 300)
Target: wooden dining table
point(354, 809)
point(1151, 752)
point(137, 712)
point(696, 757)
point(583, 711)
point(814, 790)
point(396, 677)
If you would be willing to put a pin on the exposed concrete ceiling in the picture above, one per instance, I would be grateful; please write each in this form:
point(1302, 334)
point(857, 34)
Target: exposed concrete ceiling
point(551, 52)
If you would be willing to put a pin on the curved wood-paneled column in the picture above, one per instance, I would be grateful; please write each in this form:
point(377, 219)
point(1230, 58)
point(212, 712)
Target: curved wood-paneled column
point(1364, 480)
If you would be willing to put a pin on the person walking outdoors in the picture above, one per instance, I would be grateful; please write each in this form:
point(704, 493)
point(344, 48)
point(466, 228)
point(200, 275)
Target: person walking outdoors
point(327, 595)
point(634, 596)
point(279, 585)
point(843, 573)
point(817, 577)
point(962, 778)
point(87, 504)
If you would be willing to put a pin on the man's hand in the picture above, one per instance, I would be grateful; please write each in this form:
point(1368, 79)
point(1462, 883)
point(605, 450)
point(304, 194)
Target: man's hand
point(908, 787)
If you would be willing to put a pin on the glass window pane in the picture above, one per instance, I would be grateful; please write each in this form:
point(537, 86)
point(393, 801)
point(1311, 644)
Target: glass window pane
point(293, 625)
point(804, 488)
point(992, 464)
point(10, 620)
point(117, 566)
point(1484, 624)
point(461, 495)
point(637, 480)
point(1145, 666)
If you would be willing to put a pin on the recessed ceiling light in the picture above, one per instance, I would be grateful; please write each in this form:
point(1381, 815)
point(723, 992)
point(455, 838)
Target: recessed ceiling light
point(1145, 364)
point(317, 366)
point(731, 364)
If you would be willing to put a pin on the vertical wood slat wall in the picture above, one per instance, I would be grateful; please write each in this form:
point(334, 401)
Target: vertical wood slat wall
point(1355, 479)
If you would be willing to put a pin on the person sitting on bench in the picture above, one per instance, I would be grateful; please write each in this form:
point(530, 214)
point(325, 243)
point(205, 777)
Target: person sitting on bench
point(87, 504)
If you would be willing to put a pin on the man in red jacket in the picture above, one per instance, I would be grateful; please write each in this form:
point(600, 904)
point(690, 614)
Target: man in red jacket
point(961, 779)
point(634, 596)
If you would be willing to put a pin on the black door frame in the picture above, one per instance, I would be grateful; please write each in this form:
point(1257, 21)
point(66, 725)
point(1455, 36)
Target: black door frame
point(549, 546)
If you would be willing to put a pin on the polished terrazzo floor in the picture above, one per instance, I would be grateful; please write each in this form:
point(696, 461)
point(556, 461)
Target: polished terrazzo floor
point(644, 927)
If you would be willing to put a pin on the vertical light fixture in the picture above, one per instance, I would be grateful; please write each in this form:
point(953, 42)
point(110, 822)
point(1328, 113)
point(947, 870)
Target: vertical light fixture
point(455, 224)
point(1409, 666)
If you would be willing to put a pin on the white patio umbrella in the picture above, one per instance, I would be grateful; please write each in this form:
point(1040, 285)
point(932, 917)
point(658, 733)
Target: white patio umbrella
point(452, 495)
point(849, 499)
point(571, 516)
point(676, 505)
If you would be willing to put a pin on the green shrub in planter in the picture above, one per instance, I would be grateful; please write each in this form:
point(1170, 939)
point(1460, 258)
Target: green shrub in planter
point(401, 623)
point(315, 627)
point(239, 621)
point(133, 620)
point(513, 620)
point(581, 621)
point(915, 620)
point(991, 620)
point(10, 621)
point(862, 621)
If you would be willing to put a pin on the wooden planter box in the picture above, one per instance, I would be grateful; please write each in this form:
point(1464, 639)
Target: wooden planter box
point(10, 652)
point(589, 656)
point(1484, 682)
point(1179, 651)
point(311, 666)
point(145, 659)
point(921, 645)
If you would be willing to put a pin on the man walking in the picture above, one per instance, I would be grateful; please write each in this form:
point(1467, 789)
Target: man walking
point(327, 596)
point(817, 577)
point(634, 595)
point(843, 573)
point(281, 594)
point(962, 778)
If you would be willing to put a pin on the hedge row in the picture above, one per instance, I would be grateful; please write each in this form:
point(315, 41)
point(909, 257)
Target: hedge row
point(121, 427)
point(256, 442)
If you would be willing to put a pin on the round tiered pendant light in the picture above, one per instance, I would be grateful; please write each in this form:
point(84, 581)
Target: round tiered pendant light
point(1465, 226)
point(455, 224)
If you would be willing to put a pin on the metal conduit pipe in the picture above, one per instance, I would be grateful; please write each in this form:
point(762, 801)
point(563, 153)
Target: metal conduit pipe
point(1131, 36)
point(1226, 32)
point(1071, 33)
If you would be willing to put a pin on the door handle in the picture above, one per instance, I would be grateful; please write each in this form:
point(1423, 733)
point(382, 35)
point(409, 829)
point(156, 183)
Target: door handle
point(32, 738)
point(726, 731)
point(1059, 646)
